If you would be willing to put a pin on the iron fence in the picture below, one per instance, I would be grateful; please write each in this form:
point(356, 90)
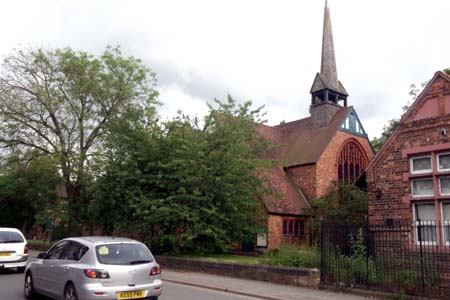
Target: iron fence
point(407, 258)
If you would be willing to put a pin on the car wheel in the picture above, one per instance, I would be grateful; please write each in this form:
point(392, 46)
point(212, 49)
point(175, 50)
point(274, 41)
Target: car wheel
point(28, 288)
point(70, 293)
point(20, 269)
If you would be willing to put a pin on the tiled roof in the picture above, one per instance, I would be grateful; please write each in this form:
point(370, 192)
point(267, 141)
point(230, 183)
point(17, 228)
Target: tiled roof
point(287, 197)
point(296, 143)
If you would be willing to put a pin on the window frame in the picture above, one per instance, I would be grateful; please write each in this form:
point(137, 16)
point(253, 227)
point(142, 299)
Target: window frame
point(442, 227)
point(79, 245)
point(445, 224)
point(421, 196)
point(424, 223)
point(293, 227)
point(65, 244)
point(411, 165)
point(437, 162)
point(440, 189)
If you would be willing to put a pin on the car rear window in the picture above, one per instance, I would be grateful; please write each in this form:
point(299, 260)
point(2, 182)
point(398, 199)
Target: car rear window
point(10, 237)
point(123, 254)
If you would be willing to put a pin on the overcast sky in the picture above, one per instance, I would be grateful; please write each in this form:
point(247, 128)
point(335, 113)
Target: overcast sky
point(264, 51)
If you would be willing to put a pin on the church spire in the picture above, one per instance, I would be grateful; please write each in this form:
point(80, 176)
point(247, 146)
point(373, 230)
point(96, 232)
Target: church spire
point(328, 66)
point(326, 87)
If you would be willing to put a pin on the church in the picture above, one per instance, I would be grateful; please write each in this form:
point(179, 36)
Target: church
point(312, 153)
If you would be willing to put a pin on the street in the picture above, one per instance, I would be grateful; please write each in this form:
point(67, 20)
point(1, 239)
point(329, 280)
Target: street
point(11, 288)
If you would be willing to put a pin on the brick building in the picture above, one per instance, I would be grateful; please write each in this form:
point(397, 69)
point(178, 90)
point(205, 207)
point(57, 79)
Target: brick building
point(329, 146)
point(408, 181)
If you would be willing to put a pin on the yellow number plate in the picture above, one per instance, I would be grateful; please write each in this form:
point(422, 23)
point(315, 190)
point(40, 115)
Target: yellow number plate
point(130, 295)
point(5, 253)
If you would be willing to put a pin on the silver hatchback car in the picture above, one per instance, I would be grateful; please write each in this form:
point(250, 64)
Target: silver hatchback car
point(91, 268)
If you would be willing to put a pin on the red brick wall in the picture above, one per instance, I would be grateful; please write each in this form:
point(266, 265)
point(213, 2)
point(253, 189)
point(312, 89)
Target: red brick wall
point(389, 172)
point(275, 237)
point(326, 167)
point(275, 231)
point(305, 177)
point(315, 179)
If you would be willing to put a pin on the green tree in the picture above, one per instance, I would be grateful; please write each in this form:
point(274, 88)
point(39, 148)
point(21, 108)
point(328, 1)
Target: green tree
point(345, 203)
point(377, 142)
point(61, 103)
point(28, 191)
point(193, 186)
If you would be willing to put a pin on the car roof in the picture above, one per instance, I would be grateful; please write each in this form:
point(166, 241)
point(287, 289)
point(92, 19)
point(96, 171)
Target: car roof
point(10, 229)
point(98, 240)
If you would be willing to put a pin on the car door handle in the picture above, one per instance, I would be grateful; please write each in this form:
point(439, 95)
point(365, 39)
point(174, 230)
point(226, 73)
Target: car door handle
point(66, 269)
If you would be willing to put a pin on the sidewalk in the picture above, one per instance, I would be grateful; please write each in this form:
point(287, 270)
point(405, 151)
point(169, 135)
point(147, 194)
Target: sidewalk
point(253, 288)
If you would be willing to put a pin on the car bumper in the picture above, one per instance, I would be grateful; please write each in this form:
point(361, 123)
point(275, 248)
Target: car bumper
point(15, 263)
point(95, 291)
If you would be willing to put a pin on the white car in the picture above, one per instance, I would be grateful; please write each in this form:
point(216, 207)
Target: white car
point(13, 249)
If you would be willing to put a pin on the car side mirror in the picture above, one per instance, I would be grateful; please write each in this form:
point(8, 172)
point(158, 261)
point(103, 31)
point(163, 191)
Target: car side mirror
point(42, 255)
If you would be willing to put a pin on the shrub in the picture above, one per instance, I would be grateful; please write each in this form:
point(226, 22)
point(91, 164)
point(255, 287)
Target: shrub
point(292, 256)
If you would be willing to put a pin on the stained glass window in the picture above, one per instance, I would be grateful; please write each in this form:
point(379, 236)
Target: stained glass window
point(352, 161)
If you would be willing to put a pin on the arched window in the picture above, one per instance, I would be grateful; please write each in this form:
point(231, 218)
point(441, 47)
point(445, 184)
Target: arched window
point(351, 161)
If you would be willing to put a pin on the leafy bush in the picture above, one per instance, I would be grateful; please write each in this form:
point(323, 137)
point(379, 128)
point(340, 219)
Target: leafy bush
point(292, 256)
point(407, 279)
point(353, 267)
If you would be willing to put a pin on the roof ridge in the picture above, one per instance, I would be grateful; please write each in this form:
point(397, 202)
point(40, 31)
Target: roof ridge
point(291, 122)
point(405, 116)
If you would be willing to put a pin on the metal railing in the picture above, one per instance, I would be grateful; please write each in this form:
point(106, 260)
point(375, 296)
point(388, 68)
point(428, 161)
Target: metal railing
point(401, 258)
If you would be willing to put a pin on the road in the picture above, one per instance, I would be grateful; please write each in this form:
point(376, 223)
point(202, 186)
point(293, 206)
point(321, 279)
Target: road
point(11, 288)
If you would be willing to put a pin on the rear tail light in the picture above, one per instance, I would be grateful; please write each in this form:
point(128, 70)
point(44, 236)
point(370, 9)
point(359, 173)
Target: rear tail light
point(25, 249)
point(155, 270)
point(95, 273)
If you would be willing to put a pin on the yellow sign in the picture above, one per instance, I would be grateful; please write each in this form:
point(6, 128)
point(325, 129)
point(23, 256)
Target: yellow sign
point(130, 295)
point(103, 250)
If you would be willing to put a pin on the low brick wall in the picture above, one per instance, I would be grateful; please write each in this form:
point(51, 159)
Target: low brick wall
point(284, 275)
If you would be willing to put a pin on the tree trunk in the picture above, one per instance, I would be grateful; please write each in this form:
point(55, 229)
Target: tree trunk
point(73, 203)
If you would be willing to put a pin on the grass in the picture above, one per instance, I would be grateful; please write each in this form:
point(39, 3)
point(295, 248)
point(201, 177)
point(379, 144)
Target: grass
point(41, 243)
point(288, 256)
point(227, 258)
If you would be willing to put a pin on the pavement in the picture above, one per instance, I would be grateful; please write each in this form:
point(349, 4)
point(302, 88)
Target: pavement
point(251, 288)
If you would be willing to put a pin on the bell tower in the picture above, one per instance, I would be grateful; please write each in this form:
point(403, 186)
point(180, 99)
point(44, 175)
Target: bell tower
point(327, 92)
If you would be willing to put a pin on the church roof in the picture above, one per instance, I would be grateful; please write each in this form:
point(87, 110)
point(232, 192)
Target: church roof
point(287, 197)
point(296, 143)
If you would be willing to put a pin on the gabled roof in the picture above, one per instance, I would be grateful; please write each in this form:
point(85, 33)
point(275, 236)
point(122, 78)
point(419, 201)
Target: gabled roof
point(287, 197)
point(412, 109)
point(298, 142)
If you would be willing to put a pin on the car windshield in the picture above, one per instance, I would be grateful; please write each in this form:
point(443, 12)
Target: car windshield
point(123, 254)
point(10, 237)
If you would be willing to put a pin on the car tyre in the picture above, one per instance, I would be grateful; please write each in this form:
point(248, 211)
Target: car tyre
point(20, 269)
point(28, 288)
point(70, 293)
